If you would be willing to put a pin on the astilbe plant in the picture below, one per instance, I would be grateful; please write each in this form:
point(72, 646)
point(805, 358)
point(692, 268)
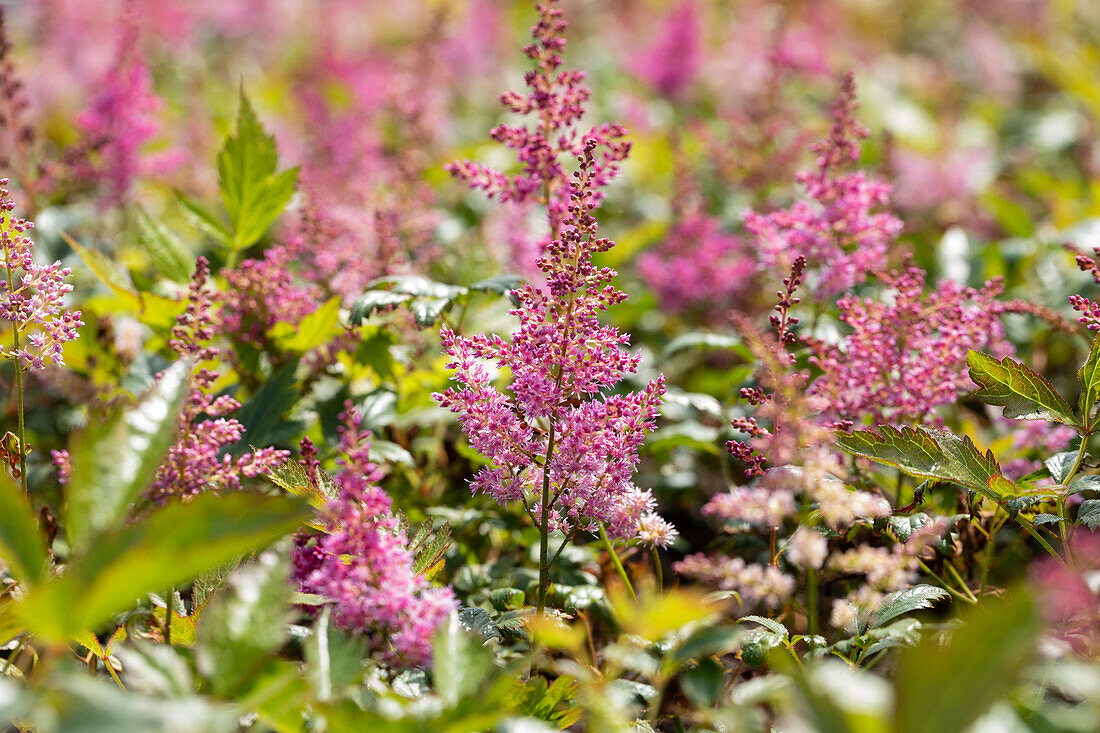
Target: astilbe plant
point(906, 354)
point(33, 302)
point(553, 442)
point(836, 227)
point(198, 460)
point(362, 564)
point(555, 102)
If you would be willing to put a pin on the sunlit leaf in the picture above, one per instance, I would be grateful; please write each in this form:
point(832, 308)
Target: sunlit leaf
point(1023, 392)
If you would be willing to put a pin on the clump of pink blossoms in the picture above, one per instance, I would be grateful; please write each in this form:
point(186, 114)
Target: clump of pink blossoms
point(34, 295)
point(835, 227)
point(672, 61)
point(196, 462)
point(121, 119)
point(906, 355)
point(363, 566)
point(698, 265)
point(555, 100)
point(552, 441)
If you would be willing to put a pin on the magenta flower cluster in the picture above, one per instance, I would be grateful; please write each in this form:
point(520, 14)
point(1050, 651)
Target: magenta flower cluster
point(697, 265)
point(33, 296)
point(906, 354)
point(197, 461)
point(263, 292)
point(556, 100)
point(121, 119)
point(363, 566)
point(836, 227)
point(553, 434)
point(672, 61)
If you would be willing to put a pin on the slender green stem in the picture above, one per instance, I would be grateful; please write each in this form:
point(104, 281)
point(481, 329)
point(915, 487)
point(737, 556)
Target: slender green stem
point(1041, 540)
point(22, 434)
point(168, 616)
point(962, 583)
point(114, 675)
point(615, 560)
point(944, 584)
point(660, 572)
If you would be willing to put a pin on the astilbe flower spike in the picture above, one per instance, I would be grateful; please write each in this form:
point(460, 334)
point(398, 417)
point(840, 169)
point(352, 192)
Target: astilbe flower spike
point(33, 295)
point(553, 442)
point(555, 100)
point(196, 462)
point(907, 357)
point(363, 565)
point(835, 227)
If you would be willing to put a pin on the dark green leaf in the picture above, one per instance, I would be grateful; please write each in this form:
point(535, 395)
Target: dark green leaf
point(906, 601)
point(1023, 392)
point(1090, 482)
point(169, 548)
point(1041, 519)
point(262, 416)
point(501, 284)
point(713, 640)
point(480, 622)
point(115, 460)
point(374, 300)
point(715, 341)
point(253, 193)
point(22, 544)
point(1088, 513)
point(704, 683)
point(245, 624)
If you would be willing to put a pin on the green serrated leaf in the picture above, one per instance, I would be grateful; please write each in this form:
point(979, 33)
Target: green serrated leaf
point(1088, 513)
point(930, 454)
point(22, 544)
point(1090, 482)
point(170, 547)
point(1023, 392)
point(316, 329)
point(906, 601)
point(1060, 465)
point(115, 460)
point(374, 300)
point(704, 682)
point(773, 626)
point(245, 624)
point(168, 255)
point(253, 193)
point(1088, 376)
point(205, 220)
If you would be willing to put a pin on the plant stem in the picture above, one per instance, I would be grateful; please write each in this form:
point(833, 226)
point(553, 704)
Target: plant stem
point(658, 570)
point(544, 528)
point(615, 560)
point(22, 433)
point(168, 616)
point(962, 583)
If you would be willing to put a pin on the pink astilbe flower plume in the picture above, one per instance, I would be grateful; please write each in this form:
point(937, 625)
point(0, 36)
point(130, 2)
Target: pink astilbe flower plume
point(555, 101)
point(197, 462)
point(907, 356)
point(672, 61)
point(836, 227)
point(33, 296)
point(552, 437)
point(363, 565)
point(121, 119)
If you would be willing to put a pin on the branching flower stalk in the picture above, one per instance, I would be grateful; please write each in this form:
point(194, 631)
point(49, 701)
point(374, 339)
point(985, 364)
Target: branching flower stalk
point(33, 304)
